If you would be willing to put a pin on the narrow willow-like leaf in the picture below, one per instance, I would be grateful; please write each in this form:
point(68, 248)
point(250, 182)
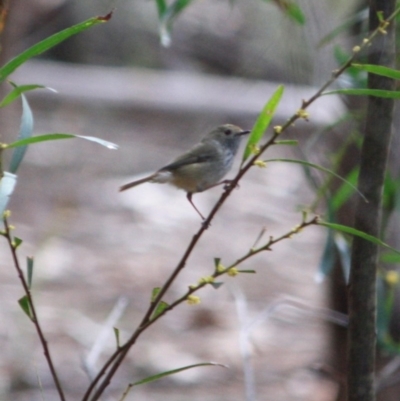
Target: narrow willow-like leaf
point(341, 29)
point(390, 257)
point(168, 17)
point(161, 8)
point(25, 133)
point(295, 13)
point(116, 333)
point(7, 185)
point(174, 371)
point(48, 43)
point(247, 271)
point(29, 268)
point(159, 309)
point(287, 142)
point(366, 92)
point(344, 251)
point(318, 167)
point(262, 122)
point(379, 70)
point(358, 233)
point(328, 258)
point(344, 192)
point(57, 136)
point(291, 9)
point(25, 306)
point(18, 90)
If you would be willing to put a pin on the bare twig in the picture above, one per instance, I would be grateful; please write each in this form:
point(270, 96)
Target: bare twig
point(119, 355)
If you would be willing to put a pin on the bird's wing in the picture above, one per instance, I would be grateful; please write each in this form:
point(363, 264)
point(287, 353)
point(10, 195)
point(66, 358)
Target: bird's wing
point(199, 154)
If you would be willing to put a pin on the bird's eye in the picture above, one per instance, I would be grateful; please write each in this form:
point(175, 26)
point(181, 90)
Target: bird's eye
point(228, 132)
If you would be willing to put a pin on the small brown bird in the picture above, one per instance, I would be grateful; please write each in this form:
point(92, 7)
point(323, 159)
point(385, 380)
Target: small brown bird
point(202, 166)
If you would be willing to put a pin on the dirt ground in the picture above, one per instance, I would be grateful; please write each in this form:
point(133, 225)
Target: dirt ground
point(96, 249)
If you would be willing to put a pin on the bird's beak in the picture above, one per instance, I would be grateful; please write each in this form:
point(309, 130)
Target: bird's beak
point(243, 133)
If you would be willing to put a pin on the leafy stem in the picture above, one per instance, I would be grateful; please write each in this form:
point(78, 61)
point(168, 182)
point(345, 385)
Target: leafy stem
point(13, 245)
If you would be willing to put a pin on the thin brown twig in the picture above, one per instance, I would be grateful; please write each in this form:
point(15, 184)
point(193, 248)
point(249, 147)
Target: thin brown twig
point(34, 317)
point(118, 356)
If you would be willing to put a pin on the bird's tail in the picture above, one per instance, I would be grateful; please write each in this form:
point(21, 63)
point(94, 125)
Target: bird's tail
point(137, 182)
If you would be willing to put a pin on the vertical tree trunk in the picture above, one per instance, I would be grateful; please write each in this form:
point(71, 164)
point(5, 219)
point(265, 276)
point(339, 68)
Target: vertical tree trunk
point(374, 154)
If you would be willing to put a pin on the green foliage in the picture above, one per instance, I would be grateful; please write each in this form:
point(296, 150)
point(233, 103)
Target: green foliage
point(47, 44)
point(321, 168)
point(378, 70)
point(167, 15)
point(17, 91)
point(117, 339)
point(25, 132)
point(8, 178)
point(262, 122)
point(366, 92)
point(161, 306)
point(291, 9)
point(29, 269)
point(358, 233)
point(173, 372)
point(26, 306)
point(57, 136)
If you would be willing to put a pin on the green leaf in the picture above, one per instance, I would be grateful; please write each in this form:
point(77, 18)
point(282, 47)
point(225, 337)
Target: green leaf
point(328, 258)
point(380, 16)
point(344, 192)
point(262, 122)
point(18, 90)
point(159, 309)
point(7, 185)
point(116, 333)
point(295, 13)
point(56, 136)
point(356, 77)
point(344, 251)
point(154, 293)
point(25, 133)
point(48, 43)
point(354, 19)
point(168, 17)
point(216, 262)
point(358, 233)
point(390, 257)
point(318, 167)
point(17, 242)
point(291, 9)
point(366, 92)
point(247, 271)
point(25, 305)
point(29, 268)
point(161, 8)
point(174, 371)
point(287, 142)
point(378, 70)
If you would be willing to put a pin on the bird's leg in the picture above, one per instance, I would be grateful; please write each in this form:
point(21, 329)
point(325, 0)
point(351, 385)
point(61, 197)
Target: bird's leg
point(189, 198)
point(226, 184)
